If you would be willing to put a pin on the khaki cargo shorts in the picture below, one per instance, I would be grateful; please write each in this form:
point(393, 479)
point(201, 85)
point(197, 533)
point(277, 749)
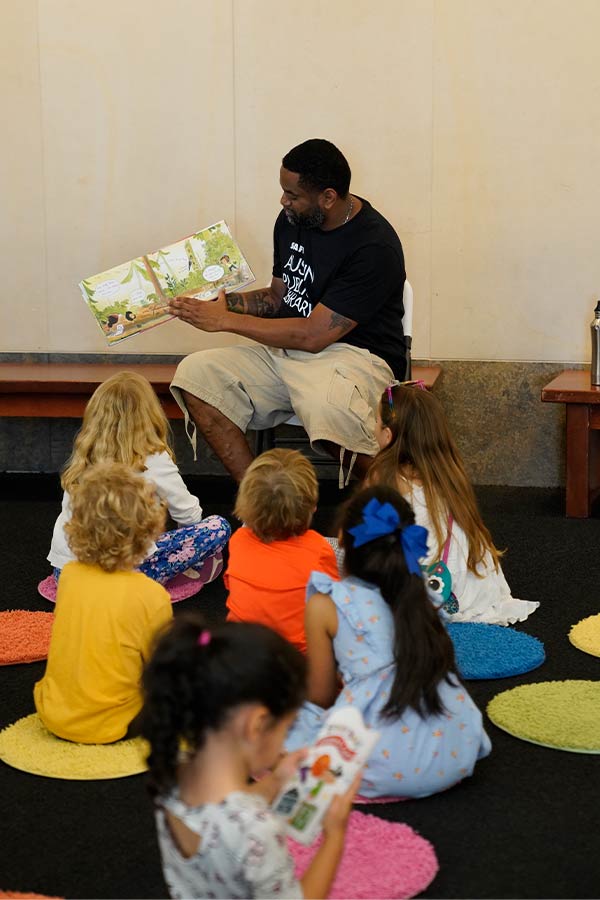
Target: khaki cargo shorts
point(334, 393)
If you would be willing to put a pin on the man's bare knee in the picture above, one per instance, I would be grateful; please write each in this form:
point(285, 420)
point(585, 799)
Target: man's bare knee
point(201, 411)
point(221, 434)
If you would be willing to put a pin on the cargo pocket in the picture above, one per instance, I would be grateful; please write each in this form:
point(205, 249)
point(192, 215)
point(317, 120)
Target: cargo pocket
point(344, 394)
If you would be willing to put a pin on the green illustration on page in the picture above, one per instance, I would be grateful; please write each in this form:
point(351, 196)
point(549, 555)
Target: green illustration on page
point(133, 296)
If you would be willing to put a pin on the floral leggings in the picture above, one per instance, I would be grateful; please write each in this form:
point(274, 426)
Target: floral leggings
point(187, 547)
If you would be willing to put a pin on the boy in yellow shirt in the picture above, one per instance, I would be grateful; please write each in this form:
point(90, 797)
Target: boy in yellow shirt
point(107, 614)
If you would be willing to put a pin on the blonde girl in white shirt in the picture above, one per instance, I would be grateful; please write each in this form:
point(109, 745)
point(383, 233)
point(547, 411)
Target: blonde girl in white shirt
point(124, 422)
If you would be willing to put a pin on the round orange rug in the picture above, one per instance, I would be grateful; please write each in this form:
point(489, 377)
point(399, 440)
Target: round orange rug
point(22, 896)
point(24, 636)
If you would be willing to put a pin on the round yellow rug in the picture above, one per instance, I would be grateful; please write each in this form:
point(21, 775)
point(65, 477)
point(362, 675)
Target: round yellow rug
point(29, 746)
point(586, 635)
point(559, 714)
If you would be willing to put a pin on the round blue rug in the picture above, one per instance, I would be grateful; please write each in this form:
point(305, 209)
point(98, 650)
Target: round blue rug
point(493, 651)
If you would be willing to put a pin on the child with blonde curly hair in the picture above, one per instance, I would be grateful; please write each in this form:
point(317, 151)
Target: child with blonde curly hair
point(125, 423)
point(107, 614)
point(272, 555)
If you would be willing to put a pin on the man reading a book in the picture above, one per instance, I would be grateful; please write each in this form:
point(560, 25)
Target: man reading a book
point(327, 331)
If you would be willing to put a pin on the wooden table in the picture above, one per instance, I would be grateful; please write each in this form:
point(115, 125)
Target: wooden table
point(582, 400)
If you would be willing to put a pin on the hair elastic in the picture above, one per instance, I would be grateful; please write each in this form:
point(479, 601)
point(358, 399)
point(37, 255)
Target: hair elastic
point(204, 638)
point(389, 395)
point(419, 383)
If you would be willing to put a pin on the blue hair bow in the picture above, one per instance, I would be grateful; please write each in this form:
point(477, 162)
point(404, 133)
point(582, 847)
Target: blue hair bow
point(380, 519)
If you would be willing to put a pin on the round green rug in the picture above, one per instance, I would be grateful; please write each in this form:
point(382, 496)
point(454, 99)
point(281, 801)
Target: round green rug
point(564, 715)
point(27, 745)
point(586, 635)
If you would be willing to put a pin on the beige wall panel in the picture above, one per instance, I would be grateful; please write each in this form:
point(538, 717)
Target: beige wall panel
point(138, 137)
point(357, 74)
point(516, 165)
point(474, 127)
point(23, 320)
point(417, 250)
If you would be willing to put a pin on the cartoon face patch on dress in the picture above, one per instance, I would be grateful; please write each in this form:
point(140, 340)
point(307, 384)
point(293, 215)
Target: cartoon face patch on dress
point(439, 580)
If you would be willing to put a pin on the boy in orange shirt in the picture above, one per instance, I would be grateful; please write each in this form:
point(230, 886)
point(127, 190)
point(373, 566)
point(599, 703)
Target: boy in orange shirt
point(272, 555)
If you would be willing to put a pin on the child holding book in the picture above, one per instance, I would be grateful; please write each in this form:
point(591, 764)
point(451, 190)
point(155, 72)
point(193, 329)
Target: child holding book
point(419, 458)
point(124, 422)
point(378, 629)
point(107, 614)
point(272, 555)
point(227, 695)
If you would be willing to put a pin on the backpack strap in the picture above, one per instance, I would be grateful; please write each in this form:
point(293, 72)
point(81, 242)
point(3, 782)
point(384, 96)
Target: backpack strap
point(446, 550)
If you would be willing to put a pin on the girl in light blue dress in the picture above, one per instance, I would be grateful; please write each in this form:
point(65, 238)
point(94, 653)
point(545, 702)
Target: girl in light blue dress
point(378, 630)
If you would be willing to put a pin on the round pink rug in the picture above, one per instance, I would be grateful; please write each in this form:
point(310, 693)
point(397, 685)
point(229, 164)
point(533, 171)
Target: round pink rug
point(380, 860)
point(180, 588)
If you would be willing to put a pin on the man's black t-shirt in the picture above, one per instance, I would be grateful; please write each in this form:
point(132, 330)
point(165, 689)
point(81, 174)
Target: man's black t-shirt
point(356, 270)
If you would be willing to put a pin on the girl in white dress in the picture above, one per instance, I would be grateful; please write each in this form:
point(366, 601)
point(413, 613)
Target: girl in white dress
point(419, 458)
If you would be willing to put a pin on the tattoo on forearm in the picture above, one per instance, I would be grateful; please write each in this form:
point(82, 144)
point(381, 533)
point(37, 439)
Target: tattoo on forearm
point(235, 302)
point(338, 321)
point(254, 303)
point(261, 303)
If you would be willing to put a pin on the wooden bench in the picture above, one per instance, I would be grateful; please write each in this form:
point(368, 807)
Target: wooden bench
point(582, 400)
point(61, 390)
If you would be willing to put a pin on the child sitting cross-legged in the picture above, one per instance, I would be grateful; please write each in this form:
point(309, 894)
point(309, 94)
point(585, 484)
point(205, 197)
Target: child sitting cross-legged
point(379, 629)
point(107, 614)
point(272, 555)
point(419, 457)
point(124, 422)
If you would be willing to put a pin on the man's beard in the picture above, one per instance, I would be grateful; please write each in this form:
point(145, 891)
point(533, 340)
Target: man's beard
point(312, 219)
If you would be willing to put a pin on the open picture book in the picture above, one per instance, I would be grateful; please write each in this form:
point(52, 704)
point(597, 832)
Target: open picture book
point(133, 296)
point(342, 747)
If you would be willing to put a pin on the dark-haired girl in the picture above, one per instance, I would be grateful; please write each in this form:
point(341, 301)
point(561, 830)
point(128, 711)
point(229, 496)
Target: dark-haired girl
point(379, 629)
point(218, 704)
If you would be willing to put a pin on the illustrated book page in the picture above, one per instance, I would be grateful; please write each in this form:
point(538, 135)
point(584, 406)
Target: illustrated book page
point(132, 297)
point(340, 751)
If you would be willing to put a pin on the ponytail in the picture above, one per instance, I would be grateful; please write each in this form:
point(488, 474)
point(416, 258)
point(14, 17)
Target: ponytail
point(423, 651)
point(197, 675)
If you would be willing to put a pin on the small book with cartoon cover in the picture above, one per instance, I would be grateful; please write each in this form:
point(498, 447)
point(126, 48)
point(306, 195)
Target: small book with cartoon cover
point(343, 746)
point(133, 296)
